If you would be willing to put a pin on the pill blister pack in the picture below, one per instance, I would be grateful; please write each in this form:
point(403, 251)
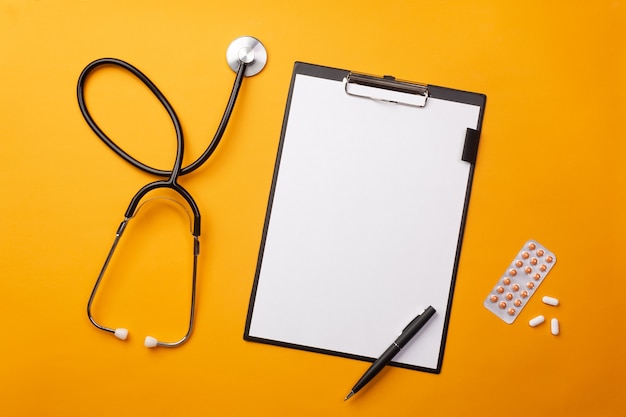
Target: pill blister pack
point(519, 281)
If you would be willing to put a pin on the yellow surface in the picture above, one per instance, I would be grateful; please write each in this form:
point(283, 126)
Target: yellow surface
point(550, 167)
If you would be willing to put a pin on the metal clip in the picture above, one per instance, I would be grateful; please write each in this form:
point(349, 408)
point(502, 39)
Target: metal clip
point(386, 89)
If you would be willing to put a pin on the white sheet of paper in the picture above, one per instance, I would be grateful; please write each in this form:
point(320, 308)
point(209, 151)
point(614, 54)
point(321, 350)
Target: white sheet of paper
point(364, 224)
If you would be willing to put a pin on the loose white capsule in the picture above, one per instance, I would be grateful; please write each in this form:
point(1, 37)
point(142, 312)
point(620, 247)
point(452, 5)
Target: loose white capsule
point(551, 301)
point(554, 327)
point(536, 321)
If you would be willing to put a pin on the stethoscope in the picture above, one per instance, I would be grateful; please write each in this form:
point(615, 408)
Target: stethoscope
point(247, 57)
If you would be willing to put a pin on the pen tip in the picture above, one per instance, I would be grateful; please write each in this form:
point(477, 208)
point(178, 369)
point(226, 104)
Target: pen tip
point(350, 394)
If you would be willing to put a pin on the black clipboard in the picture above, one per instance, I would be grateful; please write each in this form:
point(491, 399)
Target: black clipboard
point(366, 214)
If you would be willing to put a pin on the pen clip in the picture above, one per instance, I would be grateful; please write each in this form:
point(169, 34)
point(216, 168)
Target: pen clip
point(412, 321)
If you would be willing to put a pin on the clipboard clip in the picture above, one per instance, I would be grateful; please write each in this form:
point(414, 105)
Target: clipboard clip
point(386, 89)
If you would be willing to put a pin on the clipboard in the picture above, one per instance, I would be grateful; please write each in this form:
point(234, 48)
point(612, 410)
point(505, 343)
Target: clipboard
point(365, 217)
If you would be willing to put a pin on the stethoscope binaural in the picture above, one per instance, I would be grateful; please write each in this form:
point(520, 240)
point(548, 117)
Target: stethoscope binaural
point(247, 57)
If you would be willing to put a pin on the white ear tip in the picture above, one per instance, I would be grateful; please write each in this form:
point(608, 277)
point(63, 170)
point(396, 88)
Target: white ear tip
point(121, 334)
point(150, 342)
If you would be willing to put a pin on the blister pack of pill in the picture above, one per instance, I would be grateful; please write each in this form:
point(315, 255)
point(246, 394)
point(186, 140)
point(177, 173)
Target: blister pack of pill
point(520, 281)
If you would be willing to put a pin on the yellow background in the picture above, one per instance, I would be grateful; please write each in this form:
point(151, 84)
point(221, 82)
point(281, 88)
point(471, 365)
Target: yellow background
point(550, 167)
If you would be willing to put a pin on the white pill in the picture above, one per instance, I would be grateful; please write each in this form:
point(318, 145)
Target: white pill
point(536, 321)
point(554, 327)
point(551, 301)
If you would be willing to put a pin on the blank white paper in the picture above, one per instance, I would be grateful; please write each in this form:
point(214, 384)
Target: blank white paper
point(365, 222)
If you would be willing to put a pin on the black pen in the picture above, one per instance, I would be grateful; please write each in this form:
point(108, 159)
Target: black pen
point(407, 334)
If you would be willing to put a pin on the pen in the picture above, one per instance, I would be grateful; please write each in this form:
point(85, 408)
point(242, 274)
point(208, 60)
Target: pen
point(407, 334)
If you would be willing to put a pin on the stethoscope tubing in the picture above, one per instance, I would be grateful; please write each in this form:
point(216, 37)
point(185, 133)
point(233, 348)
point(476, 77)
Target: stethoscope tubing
point(80, 92)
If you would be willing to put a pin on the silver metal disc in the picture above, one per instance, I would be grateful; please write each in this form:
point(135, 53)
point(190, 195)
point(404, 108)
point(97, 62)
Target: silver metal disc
point(249, 50)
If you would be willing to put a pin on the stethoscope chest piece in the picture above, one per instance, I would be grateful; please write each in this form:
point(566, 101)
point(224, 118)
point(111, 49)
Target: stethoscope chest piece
point(248, 50)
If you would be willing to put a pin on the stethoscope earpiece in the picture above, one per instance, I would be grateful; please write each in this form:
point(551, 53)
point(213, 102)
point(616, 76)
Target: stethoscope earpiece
point(121, 333)
point(150, 342)
point(249, 51)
